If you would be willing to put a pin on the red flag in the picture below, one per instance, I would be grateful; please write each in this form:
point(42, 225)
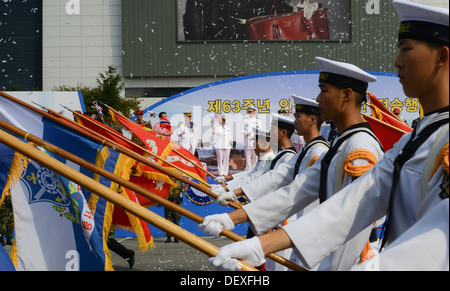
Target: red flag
point(386, 126)
point(107, 132)
point(132, 223)
point(144, 176)
point(374, 101)
point(395, 122)
point(129, 169)
point(386, 133)
point(382, 113)
point(163, 147)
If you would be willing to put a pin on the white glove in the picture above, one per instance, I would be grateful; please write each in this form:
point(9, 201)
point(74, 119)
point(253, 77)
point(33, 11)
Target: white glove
point(213, 224)
point(220, 179)
point(218, 190)
point(249, 251)
point(227, 196)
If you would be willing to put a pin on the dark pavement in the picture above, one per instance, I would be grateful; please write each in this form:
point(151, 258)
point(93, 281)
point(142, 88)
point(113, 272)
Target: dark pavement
point(166, 256)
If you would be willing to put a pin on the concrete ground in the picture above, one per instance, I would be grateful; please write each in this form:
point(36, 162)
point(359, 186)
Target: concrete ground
point(166, 256)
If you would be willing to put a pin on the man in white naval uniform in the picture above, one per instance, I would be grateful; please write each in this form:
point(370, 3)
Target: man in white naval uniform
point(402, 184)
point(343, 88)
point(250, 124)
point(223, 142)
point(186, 133)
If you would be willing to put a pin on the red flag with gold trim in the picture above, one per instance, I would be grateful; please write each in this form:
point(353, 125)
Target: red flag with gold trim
point(177, 156)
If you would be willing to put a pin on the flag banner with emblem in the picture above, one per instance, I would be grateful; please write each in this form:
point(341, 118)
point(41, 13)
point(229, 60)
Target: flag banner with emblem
point(55, 229)
point(77, 144)
point(163, 147)
point(143, 176)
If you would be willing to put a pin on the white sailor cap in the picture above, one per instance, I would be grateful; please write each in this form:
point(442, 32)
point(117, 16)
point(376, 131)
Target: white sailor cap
point(251, 108)
point(306, 105)
point(261, 133)
point(344, 75)
point(422, 22)
point(283, 122)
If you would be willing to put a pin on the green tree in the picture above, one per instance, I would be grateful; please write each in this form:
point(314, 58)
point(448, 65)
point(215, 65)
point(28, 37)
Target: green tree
point(108, 90)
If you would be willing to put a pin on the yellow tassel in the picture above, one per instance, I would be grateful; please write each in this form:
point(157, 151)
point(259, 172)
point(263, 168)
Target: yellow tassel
point(107, 220)
point(18, 165)
point(100, 161)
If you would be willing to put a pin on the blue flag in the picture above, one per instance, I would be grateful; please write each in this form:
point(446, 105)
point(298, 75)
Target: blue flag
point(71, 141)
point(5, 262)
point(55, 229)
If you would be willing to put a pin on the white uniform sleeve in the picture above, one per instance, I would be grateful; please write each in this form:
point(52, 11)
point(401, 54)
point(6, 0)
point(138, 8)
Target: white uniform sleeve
point(270, 181)
point(423, 247)
point(267, 212)
point(281, 176)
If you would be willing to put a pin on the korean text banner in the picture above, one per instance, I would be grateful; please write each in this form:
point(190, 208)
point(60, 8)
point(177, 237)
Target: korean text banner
point(268, 93)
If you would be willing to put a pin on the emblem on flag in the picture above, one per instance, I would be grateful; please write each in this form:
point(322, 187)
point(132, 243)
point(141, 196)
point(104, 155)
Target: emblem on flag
point(44, 186)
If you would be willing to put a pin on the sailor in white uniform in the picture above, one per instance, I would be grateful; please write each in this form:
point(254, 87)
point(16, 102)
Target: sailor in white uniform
point(186, 133)
point(223, 144)
point(343, 89)
point(411, 183)
point(307, 123)
point(250, 124)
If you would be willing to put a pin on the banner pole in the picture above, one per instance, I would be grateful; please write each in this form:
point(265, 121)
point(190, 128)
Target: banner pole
point(176, 151)
point(130, 142)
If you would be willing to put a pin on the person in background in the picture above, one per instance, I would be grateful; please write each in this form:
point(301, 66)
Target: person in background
point(223, 144)
point(251, 123)
point(163, 127)
point(186, 133)
point(175, 196)
point(140, 120)
point(6, 221)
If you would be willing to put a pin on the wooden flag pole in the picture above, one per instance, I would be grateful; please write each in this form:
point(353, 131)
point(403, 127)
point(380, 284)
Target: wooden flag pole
point(131, 142)
point(127, 184)
point(175, 150)
point(195, 164)
point(118, 147)
point(106, 193)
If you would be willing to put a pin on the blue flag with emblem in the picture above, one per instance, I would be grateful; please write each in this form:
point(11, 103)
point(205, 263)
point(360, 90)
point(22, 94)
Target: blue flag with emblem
point(55, 229)
point(67, 139)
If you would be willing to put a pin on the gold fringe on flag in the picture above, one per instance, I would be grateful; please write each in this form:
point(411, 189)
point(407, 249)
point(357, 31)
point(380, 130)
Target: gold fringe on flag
point(100, 161)
point(18, 165)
